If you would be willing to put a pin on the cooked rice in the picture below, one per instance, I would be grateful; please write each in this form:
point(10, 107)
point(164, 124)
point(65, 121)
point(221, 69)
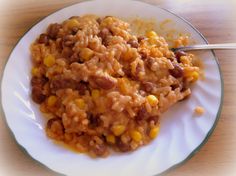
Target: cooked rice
point(102, 87)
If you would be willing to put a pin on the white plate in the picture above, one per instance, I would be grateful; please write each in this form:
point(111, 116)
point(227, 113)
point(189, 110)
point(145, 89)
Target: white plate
point(181, 135)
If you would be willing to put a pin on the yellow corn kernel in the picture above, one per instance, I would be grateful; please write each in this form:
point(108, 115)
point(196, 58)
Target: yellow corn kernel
point(49, 60)
point(95, 93)
point(154, 132)
point(155, 41)
point(136, 136)
point(151, 34)
point(185, 40)
point(177, 43)
point(72, 23)
point(128, 55)
point(118, 130)
point(51, 100)
point(184, 60)
point(111, 139)
point(195, 76)
point(80, 103)
point(187, 72)
point(124, 85)
point(199, 110)
point(152, 41)
point(152, 100)
point(35, 71)
point(155, 52)
point(86, 54)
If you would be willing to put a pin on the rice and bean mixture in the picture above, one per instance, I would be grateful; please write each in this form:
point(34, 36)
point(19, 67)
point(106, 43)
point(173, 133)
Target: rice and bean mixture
point(102, 88)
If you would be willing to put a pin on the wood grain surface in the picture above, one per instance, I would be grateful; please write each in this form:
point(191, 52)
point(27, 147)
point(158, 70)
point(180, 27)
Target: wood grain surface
point(216, 19)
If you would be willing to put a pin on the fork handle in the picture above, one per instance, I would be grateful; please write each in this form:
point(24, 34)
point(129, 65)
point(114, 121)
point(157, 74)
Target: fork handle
point(208, 46)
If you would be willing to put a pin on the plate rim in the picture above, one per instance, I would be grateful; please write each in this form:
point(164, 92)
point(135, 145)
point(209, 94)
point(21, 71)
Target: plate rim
point(196, 150)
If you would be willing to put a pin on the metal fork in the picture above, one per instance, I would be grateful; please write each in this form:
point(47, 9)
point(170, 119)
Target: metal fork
point(220, 46)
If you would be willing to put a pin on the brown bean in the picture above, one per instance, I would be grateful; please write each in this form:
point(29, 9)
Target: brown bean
point(172, 59)
point(75, 58)
point(53, 30)
point(38, 81)
point(133, 43)
point(43, 39)
point(177, 71)
point(139, 68)
point(143, 55)
point(155, 119)
point(37, 95)
point(142, 114)
point(51, 121)
point(149, 62)
point(147, 86)
point(175, 86)
point(122, 146)
point(178, 54)
point(104, 81)
point(74, 17)
point(140, 38)
point(99, 149)
point(67, 52)
point(67, 41)
point(74, 30)
point(59, 82)
point(94, 121)
point(82, 87)
point(56, 125)
point(103, 34)
point(99, 20)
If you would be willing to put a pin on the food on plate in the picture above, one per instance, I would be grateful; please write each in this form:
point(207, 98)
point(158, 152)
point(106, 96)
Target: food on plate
point(101, 87)
point(199, 110)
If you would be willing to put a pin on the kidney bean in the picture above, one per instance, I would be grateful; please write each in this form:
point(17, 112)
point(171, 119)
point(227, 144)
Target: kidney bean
point(142, 114)
point(122, 146)
point(178, 54)
point(104, 33)
point(74, 17)
point(38, 81)
point(94, 121)
point(104, 81)
point(149, 61)
point(67, 41)
point(140, 38)
point(133, 43)
point(59, 82)
point(56, 125)
point(43, 39)
point(147, 86)
point(74, 30)
point(143, 55)
point(53, 30)
point(99, 20)
point(51, 121)
point(154, 118)
point(82, 87)
point(67, 52)
point(99, 149)
point(177, 71)
point(37, 94)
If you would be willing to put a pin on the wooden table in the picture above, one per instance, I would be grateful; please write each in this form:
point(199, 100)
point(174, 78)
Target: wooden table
point(215, 19)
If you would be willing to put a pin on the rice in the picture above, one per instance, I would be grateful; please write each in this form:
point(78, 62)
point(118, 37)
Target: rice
point(101, 87)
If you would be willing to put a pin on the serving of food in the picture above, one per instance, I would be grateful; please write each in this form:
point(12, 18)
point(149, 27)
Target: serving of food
point(102, 87)
point(104, 94)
